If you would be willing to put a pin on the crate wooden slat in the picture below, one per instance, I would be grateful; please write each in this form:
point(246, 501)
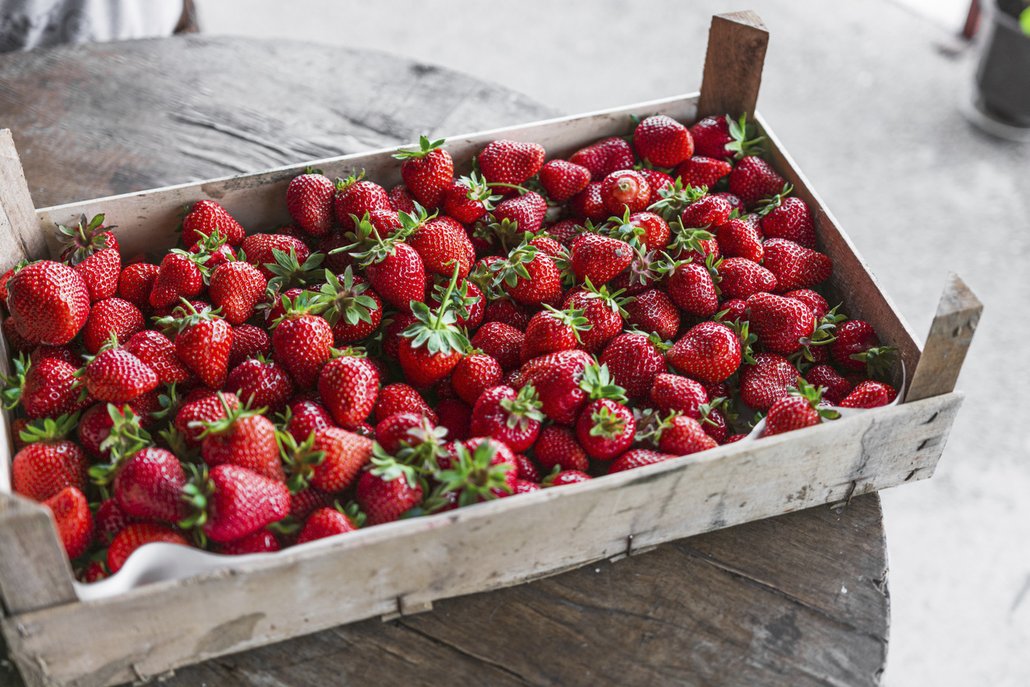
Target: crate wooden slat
point(403, 567)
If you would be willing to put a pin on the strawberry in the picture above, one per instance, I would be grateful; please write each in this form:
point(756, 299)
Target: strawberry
point(795, 266)
point(869, 394)
point(348, 386)
point(599, 258)
point(260, 383)
point(589, 204)
point(637, 458)
point(46, 388)
point(118, 376)
point(557, 446)
point(135, 535)
point(739, 238)
point(782, 325)
point(15, 341)
point(179, 276)
point(633, 361)
point(92, 250)
point(673, 393)
point(858, 348)
point(713, 419)
point(789, 218)
point(203, 343)
point(565, 477)
point(469, 199)
point(658, 181)
point(441, 242)
point(662, 141)
point(244, 438)
point(325, 522)
point(307, 417)
point(526, 469)
point(202, 405)
point(345, 454)
point(507, 311)
point(401, 398)
point(565, 381)
point(206, 218)
point(552, 330)
point(528, 276)
point(404, 429)
point(563, 179)
point(261, 541)
point(394, 268)
point(605, 428)
point(707, 211)
point(604, 157)
point(723, 138)
point(455, 417)
point(427, 172)
point(510, 163)
point(236, 288)
point(356, 197)
point(93, 428)
point(692, 289)
point(741, 278)
point(353, 308)
point(681, 435)
point(433, 344)
point(754, 179)
point(623, 189)
point(797, 410)
point(302, 342)
point(388, 490)
point(767, 380)
point(602, 312)
point(248, 341)
point(652, 312)
point(509, 416)
point(135, 283)
point(468, 299)
point(835, 387)
point(48, 301)
point(230, 502)
point(157, 352)
point(816, 303)
point(73, 519)
point(111, 316)
point(474, 374)
point(48, 463)
point(702, 171)
point(502, 342)
point(309, 200)
point(708, 352)
point(149, 485)
point(523, 213)
point(280, 251)
point(401, 198)
point(482, 469)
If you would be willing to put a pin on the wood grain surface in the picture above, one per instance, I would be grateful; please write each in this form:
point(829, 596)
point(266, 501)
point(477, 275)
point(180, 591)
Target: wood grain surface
point(800, 599)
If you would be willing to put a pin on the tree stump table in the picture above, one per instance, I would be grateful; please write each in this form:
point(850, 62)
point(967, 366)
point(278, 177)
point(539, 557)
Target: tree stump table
point(796, 600)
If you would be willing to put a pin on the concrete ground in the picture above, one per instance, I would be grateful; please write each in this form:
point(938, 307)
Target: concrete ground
point(868, 104)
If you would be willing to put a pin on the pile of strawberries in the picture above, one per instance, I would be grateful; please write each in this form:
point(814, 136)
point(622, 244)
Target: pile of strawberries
point(400, 352)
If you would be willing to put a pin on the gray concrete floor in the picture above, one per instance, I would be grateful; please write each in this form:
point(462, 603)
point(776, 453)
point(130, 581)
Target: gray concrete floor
point(867, 103)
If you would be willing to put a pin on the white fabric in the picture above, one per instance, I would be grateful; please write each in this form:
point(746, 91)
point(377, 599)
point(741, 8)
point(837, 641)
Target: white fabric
point(27, 24)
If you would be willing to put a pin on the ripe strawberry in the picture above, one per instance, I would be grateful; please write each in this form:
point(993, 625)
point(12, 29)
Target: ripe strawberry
point(662, 141)
point(237, 287)
point(388, 490)
point(199, 406)
point(394, 268)
point(149, 485)
point(353, 309)
point(441, 242)
point(754, 179)
point(789, 218)
point(401, 198)
point(813, 300)
point(507, 311)
point(652, 312)
point(797, 410)
point(117, 376)
point(307, 417)
point(589, 204)
point(658, 181)
point(602, 312)
point(207, 217)
point(557, 445)
point(92, 250)
point(261, 541)
point(401, 398)
point(135, 535)
point(510, 162)
point(528, 276)
point(702, 171)
point(599, 258)
point(644, 230)
point(468, 299)
point(633, 361)
point(500, 341)
point(795, 266)
point(48, 301)
point(248, 341)
point(469, 199)
point(348, 386)
point(244, 438)
point(309, 200)
point(782, 325)
point(713, 419)
point(345, 454)
point(157, 352)
point(427, 172)
point(261, 251)
point(552, 330)
point(260, 383)
point(741, 278)
point(15, 341)
point(521, 213)
point(404, 429)
point(509, 416)
point(135, 283)
point(565, 477)
point(48, 463)
point(203, 343)
point(858, 348)
point(623, 189)
point(44, 388)
point(230, 502)
point(325, 522)
point(604, 157)
point(111, 316)
point(739, 238)
point(605, 428)
point(707, 211)
point(73, 519)
point(835, 387)
point(481, 469)
point(691, 288)
point(723, 137)
point(214, 249)
point(869, 394)
point(179, 276)
point(355, 197)
point(474, 374)
point(562, 179)
point(564, 381)
point(673, 393)
point(302, 342)
point(526, 469)
point(681, 435)
point(767, 380)
point(431, 346)
point(637, 458)
point(709, 352)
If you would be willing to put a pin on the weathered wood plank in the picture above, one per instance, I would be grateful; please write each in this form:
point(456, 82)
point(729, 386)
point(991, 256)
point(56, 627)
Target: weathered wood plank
point(494, 545)
point(950, 335)
point(34, 570)
point(19, 234)
point(733, 65)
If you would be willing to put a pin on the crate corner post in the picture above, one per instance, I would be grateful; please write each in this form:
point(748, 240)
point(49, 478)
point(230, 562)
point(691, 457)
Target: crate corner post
point(20, 237)
point(737, 42)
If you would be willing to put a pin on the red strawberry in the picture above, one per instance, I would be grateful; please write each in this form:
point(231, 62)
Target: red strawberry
point(754, 179)
point(243, 438)
point(469, 199)
point(526, 469)
point(111, 316)
point(741, 278)
point(604, 157)
point(564, 477)
point(601, 310)
point(307, 417)
point(707, 211)
point(481, 469)
point(236, 287)
point(599, 258)
point(557, 445)
point(589, 203)
point(552, 330)
point(502, 342)
point(633, 361)
point(49, 302)
point(470, 303)
point(456, 417)
point(401, 198)
point(797, 410)
point(508, 312)
point(709, 352)
point(158, 353)
point(739, 238)
point(813, 300)
point(562, 179)
point(149, 485)
point(605, 428)
point(652, 311)
point(394, 268)
point(207, 217)
point(203, 343)
point(202, 405)
point(564, 381)
point(179, 276)
point(509, 416)
point(680, 435)
point(345, 454)
point(782, 325)
point(135, 535)
point(135, 283)
point(702, 171)
point(354, 310)
point(713, 420)
point(637, 458)
point(44, 388)
point(662, 141)
point(231, 502)
point(260, 383)
point(48, 463)
point(789, 218)
point(261, 541)
point(795, 266)
point(261, 251)
point(510, 162)
point(302, 342)
point(427, 172)
point(387, 491)
point(835, 387)
point(401, 398)
point(723, 137)
point(404, 429)
point(348, 386)
point(529, 276)
point(92, 250)
point(117, 376)
point(767, 380)
point(644, 229)
point(431, 346)
point(522, 213)
point(733, 310)
point(858, 348)
point(248, 341)
point(355, 197)
point(440, 242)
point(673, 393)
point(474, 374)
point(869, 394)
point(691, 288)
point(658, 181)
point(214, 249)
point(73, 519)
point(325, 522)
point(623, 189)
point(309, 200)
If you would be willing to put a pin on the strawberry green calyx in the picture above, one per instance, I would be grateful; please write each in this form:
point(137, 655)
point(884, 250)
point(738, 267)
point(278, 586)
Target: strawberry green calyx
point(172, 324)
point(513, 268)
point(479, 190)
point(814, 396)
point(572, 318)
point(226, 423)
point(720, 403)
point(353, 512)
point(879, 360)
point(299, 458)
point(389, 468)
point(474, 476)
point(49, 429)
point(346, 300)
point(742, 328)
point(597, 382)
point(422, 449)
point(767, 205)
point(288, 271)
point(606, 423)
point(675, 198)
point(175, 441)
point(651, 425)
point(367, 247)
point(744, 142)
point(14, 383)
point(304, 303)
point(425, 146)
point(459, 297)
point(413, 221)
point(621, 228)
point(505, 233)
point(611, 299)
point(125, 438)
point(197, 494)
point(84, 239)
point(523, 409)
point(350, 180)
point(437, 330)
point(211, 243)
point(824, 333)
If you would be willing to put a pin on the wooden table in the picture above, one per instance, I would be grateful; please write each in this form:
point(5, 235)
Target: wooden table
point(796, 600)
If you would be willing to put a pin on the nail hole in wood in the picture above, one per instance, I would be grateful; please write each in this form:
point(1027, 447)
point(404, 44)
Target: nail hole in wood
point(932, 418)
point(911, 475)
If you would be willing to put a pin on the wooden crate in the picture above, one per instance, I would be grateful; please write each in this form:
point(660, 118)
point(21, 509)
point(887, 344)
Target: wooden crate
point(402, 567)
